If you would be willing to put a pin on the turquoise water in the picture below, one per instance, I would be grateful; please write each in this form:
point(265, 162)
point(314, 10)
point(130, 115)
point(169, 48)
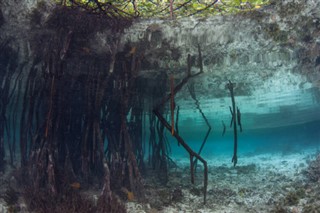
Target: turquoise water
point(284, 140)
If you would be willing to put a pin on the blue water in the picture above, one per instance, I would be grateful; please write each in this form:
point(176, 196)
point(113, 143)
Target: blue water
point(284, 140)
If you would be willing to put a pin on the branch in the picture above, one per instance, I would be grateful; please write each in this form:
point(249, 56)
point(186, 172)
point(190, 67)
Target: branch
point(175, 134)
point(193, 95)
point(190, 151)
point(199, 11)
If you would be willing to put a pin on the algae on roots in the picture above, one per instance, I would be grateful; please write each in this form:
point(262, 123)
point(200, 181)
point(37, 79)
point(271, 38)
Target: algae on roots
point(82, 22)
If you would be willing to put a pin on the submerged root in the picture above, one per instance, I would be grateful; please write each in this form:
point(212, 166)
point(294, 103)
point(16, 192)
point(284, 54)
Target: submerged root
point(72, 201)
point(10, 197)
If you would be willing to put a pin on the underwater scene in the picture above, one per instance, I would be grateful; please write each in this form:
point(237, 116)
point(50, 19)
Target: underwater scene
point(159, 106)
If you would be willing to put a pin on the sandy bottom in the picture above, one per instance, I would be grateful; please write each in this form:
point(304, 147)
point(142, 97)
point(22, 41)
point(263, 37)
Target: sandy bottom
point(259, 183)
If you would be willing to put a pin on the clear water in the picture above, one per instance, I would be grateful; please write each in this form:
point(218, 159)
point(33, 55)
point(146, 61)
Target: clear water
point(273, 121)
point(284, 140)
point(277, 121)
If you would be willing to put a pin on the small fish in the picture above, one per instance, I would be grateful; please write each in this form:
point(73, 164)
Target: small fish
point(130, 195)
point(86, 50)
point(133, 50)
point(224, 128)
point(75, 185)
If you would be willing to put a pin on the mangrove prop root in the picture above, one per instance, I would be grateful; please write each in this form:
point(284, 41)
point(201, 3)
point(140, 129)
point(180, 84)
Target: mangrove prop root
point(234, 118)
point(179, 86)
point(185, 80)
point(50, 108)
point(177, 121)
point(7, 68)
point(132, 168)
point(190, 151)
point(63, 111)
point(106, 191)
point(172, 103)
point(239, 119)
point(223, 128)
point(193, 95)
point(156, 111)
